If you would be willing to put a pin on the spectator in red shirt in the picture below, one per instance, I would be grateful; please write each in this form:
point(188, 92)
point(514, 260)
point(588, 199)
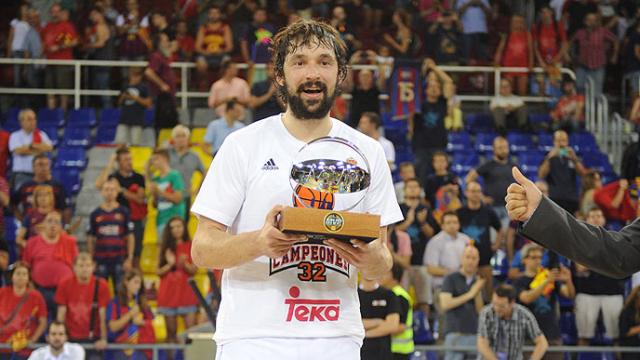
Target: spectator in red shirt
point(23, 200)
point(568, 114)
point(82, 299)
point(33, 222)
point(129, 318)
point(593, 43)
point(186, 42)
point(50, 255)
point(550, 45)
point(162, 83)
point(59, 37)
point(214, 41)
point(23, 314)
point(516, 50)
point(175, 296)
point(110, 236)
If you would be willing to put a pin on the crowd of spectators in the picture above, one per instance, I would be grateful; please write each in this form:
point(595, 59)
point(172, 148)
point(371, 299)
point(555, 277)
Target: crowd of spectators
point(455, 229)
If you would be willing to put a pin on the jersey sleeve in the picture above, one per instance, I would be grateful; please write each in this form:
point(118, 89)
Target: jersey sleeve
point(381, 196)
point(61, 296)
point(404, 309)
point(394, 304)
point(223, 190)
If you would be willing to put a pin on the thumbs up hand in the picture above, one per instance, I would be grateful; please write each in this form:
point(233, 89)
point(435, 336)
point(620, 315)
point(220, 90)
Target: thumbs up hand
point(523, 197)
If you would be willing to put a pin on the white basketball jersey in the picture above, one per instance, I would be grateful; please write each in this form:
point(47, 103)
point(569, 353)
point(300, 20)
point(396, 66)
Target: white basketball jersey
point(310, 291)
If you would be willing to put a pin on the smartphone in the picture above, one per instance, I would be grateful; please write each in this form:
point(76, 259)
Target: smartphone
point(564, 152)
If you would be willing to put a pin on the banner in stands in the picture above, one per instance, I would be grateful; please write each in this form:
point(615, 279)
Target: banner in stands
point(406, 88)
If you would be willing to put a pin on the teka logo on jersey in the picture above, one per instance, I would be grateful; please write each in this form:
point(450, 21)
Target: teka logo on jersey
point(307, 310)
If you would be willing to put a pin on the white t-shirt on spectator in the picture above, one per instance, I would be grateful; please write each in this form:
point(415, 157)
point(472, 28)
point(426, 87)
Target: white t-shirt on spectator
point(120, 21)
point(389, 150)
point(445, 251)
point(70, 351)
point(504, 101)
point(23, 163)
point(20, 30)
point(267, 297)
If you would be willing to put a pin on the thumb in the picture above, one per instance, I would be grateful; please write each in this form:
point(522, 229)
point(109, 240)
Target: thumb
point(519, 177)
point(272, 216)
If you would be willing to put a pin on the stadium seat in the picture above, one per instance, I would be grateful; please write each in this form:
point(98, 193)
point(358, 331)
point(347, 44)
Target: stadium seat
point(406, 155)
point(105, 134)
point(484, 142)
point(458, 141)
point(149, 115)
point(398, 137)
point(77, 137)
point(197, 135)
point(149, 258)
point(184, 117)
point(204, 157)
point(52, 133)
point(11, 122)
point(583, 142)
point(202, 117)
point(84, 117)
point(463, 162)
point(539, 121)
point(519, 142)
point(74, 157)
point(476, 123)
point(163, 137)
point(530, 161)
point(140, 155)
point(545, 142)
point(597, 161)
point(110, 117)
point(568, 328)
point(69, 178)
point(50, 117)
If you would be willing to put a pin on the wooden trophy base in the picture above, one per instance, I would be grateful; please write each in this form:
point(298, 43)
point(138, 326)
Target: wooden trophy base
point(328, 224)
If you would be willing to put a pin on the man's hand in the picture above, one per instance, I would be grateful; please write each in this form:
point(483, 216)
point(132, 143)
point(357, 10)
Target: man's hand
point(564, 275)
point(358, 253)
point(100, 344)
point(273, 242)
point(127, 265)
point(422, 216)
point(523, 197)
point(624, 184)
point(477, 286)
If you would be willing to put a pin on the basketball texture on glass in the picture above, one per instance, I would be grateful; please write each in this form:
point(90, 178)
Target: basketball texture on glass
point(310, 198)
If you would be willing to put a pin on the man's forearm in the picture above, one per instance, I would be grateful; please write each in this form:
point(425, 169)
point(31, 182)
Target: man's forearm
point(437, 270)
point(215, 249)
point(540, 349)
point(485, 350)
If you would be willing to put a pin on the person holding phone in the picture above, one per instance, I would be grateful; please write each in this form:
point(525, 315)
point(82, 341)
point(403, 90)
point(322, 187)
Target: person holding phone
point(560, 169)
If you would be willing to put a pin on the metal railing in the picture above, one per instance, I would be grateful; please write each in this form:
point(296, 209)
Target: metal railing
point(184, 94)
point(154, 348)
point(611, 130)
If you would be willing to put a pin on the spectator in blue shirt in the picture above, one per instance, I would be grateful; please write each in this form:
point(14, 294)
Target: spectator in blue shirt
point(219, 129)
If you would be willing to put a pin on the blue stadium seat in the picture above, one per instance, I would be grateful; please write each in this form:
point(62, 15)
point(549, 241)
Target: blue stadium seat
point(84, 117)
point(11, 122)
point(484, 142)
point(69, 178)
point(405, 155)
point(596, 356)
point(50, 117)
point(583, 142)
point(110, 117)
point(52, 133)
point(538, 121)
point(149, 114)
point(475, 123)
point(598, 162)
point(398, 137)
point(530, 161)
point(463, 162)
point(545, 142)
point(74, 157)
point(105, 134)
point(77, 136)
point(519, 142)
point(568, 328)
point(458, 141)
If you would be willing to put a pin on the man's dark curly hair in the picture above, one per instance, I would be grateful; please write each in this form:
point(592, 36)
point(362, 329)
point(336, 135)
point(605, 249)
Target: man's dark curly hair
point(308, 33)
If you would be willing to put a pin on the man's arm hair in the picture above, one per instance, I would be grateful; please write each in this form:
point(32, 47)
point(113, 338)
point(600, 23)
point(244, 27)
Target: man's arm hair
point(214, 248)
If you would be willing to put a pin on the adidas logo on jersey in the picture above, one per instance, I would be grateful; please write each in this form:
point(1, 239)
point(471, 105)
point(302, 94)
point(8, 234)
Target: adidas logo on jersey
point(270, 165)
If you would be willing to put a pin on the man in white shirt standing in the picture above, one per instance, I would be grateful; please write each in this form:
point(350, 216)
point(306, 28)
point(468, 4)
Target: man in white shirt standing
point(370, 124)
point(283, 297)
point(24, 144)
point(58, 348)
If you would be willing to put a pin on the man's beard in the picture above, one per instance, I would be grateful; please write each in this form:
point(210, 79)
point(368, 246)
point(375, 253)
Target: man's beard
point(301, 108)
point(57, 346)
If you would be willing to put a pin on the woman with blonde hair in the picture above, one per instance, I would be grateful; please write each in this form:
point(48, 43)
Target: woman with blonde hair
point(32, 224)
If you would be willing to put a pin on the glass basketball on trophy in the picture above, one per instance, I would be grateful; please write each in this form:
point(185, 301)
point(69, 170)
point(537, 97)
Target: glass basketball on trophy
point(329, 177)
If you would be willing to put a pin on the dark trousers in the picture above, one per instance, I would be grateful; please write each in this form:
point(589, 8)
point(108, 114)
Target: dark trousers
point(48, 294)
point(138, 235)
point(514, 120)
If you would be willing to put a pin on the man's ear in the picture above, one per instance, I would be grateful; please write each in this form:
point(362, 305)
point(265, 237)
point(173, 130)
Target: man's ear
point(279, 80)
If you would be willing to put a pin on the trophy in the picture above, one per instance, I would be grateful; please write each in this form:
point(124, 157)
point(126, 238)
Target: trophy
point(329, 177)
